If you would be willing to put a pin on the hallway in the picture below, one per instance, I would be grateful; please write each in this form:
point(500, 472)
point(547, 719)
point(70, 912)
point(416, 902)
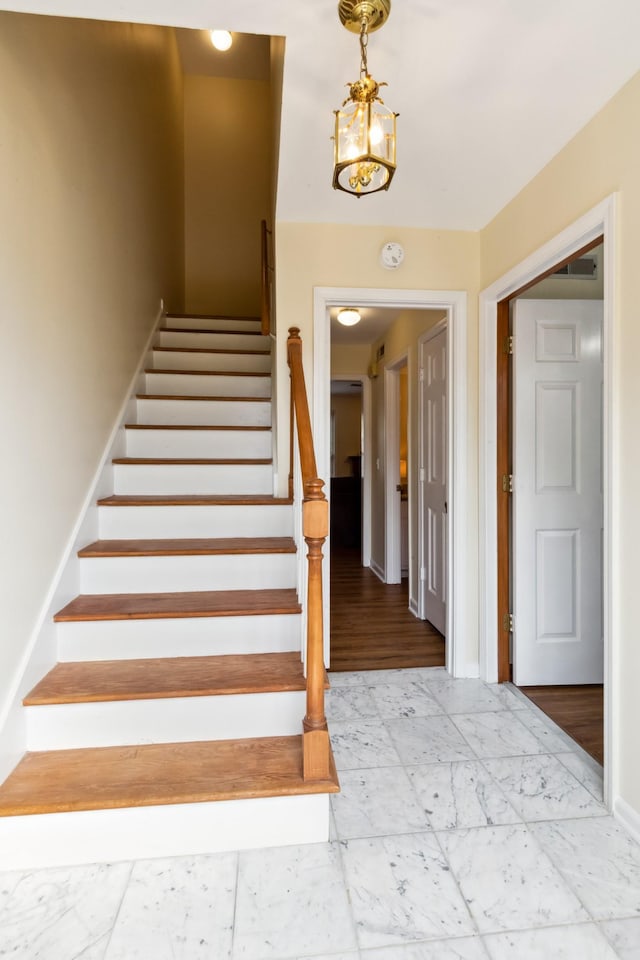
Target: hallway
point(371, 626)
point(468, 828)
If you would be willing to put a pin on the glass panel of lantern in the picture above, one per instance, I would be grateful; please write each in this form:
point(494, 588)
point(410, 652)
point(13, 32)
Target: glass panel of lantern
point(365, 147)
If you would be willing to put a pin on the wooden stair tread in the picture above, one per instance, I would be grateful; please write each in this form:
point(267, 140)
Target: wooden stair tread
point(209, 316)
point(194, 461)
point(209, 373)
point(103, 681)
point(188, 426)
point(171, 396)
point(165, 606)
point(58, 781)
point(233, 333)
point(192, 499)
point(188, 547)
point(228, 350)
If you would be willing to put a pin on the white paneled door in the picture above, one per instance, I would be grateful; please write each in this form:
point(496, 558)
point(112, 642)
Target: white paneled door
point(557, 498)
point(433, 479)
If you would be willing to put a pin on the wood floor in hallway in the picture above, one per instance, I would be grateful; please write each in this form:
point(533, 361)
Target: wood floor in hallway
point(371, 626)
point(578, 709)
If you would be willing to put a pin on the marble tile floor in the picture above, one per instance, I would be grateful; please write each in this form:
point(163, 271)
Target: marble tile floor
point(469, 827)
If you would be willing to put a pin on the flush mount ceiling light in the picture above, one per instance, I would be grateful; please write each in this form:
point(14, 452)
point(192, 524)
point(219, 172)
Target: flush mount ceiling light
point(365, 132)
point(348, 318)
point(221, 39)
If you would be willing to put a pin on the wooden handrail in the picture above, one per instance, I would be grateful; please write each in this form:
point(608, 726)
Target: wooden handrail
point(266, 284)
point(315, 528)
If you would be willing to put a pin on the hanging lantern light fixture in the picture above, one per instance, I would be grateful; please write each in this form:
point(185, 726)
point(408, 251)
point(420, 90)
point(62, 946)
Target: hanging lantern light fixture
point(365, 131)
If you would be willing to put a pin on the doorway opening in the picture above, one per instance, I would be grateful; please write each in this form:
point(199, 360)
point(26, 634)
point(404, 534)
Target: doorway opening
point(392, 459)
point(373, 625)
point(347, 444)
point(599, 222)
point(550, 521)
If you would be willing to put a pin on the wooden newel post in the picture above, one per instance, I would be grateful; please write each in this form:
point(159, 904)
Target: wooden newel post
point(315, 527)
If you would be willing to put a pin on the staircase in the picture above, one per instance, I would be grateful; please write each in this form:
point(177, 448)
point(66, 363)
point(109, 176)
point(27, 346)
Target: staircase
point(172, 722)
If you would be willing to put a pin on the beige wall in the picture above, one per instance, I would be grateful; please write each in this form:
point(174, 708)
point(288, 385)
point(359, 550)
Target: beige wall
point(276, 73)
point(348, 360)
point(227, 125)
point(331, 255)
point(401, 338)
point(604, 157)
point(90, 240)
point(347, 410)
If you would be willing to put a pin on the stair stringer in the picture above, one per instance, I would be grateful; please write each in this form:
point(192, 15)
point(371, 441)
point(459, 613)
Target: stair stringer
point(40, 654)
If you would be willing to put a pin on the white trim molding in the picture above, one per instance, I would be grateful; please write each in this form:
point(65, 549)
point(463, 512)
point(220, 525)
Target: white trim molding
point(600, 221)
point(628, 817)
point(454, 302)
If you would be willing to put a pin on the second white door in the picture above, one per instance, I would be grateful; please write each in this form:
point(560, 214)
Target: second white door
point(557, 500)
point(433, 478)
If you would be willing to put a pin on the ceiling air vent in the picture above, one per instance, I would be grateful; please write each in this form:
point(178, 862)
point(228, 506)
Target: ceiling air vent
point(585, 268)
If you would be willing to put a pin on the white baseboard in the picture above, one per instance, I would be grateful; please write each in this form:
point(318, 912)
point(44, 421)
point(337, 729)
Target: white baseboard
point(470, 671)
point(379, 572)
point(413, 607)
point(628, 817)
point(40, 651)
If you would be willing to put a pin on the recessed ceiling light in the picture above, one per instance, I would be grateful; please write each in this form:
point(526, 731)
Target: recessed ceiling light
point(348, 318)
point(221, 39)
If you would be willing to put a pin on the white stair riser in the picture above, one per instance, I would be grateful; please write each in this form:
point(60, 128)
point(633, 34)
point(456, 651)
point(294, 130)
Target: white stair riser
point(199, 443)
point(166, 720)
point(234, 413)
point(138, 523)
point(248, 362)
point(142, 833)
point(223, 479)
point(212, 341)
point(213, 323)
point(168, 574)
point(214, 385)
point(190, 637)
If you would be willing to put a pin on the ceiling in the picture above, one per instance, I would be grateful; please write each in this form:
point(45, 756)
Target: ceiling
point(487, 92)
point(374, 321)
point(346, 388)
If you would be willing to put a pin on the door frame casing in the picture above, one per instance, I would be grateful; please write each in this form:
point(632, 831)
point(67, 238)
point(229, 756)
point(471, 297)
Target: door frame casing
point(454, 302)
point(600, 221)
point(435, 331)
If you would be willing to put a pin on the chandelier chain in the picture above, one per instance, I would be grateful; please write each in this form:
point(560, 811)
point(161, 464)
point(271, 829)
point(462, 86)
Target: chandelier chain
point(364, 40)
